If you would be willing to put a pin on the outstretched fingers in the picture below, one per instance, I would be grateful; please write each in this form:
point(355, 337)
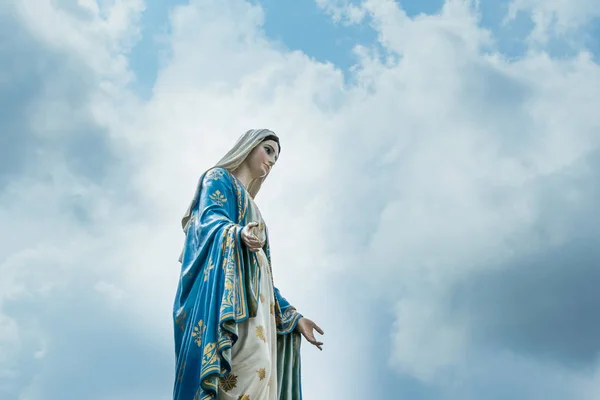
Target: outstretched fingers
point(312, 340)
point(319, 329)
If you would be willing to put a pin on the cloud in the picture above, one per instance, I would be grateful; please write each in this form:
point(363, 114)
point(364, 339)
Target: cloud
point(479, 202)
point(90, 271)
point(555, 18)
point(343, 11)
point(61, 180)
point(437, 178)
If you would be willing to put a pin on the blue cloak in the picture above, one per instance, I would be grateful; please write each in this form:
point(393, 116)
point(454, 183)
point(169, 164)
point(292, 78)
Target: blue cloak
point(219, 288)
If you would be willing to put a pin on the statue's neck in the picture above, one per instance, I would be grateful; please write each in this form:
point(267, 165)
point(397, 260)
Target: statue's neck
point(242, 173)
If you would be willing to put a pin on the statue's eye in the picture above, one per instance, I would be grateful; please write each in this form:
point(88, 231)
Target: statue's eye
point(268, 150)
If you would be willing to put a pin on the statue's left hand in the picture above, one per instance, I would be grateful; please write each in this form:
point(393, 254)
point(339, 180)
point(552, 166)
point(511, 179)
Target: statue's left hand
point(306, 327)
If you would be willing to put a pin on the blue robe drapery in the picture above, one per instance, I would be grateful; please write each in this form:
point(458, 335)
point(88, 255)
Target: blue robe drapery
point(219, 288)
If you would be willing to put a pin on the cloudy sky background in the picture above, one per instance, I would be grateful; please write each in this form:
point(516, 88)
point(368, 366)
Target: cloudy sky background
point(434, 208)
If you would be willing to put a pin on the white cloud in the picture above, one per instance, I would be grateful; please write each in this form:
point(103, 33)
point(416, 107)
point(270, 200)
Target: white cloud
point(427, 169)
point(555, 18)
point(224, 77)
point(458, 140)
point(101, 33)
point(343, 11)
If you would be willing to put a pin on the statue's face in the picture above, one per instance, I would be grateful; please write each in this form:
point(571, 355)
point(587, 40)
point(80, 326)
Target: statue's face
point(262, 158)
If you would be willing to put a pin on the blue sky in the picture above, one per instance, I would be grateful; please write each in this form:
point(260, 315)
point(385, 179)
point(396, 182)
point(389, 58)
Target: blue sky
point(434, 208)
point(295, 26)
point(303, 26)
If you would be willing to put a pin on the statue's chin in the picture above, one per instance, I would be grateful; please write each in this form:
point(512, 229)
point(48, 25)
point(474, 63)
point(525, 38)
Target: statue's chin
point(265, 172)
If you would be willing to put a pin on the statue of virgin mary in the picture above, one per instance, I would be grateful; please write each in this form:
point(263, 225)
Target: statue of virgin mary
point(236, 336)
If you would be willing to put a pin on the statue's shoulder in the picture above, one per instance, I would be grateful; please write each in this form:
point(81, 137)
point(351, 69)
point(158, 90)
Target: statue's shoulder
point(218, 175)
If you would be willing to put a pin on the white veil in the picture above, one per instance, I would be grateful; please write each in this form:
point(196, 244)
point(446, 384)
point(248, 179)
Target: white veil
point(231, 161)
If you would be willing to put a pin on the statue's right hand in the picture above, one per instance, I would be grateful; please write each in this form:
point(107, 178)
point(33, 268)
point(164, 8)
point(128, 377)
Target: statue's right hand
point(252, 242)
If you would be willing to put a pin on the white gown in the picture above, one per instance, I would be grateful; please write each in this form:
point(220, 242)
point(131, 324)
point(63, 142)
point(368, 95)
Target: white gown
point(254, 356)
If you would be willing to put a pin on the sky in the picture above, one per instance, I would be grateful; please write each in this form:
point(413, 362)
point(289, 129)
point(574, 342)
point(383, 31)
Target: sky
point(434, 208)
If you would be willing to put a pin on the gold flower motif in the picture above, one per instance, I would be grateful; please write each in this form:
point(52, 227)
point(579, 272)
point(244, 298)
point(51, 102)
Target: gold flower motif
point(262, 298)
point(228, 382)
point(214, 174)
point(244, 397)
point(260, 333)
point(198, 332)
point(272, 308)
point(210, 266)
point(218, 197)
point(262, 373)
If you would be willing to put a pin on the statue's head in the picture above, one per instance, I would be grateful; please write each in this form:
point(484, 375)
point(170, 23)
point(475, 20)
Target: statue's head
point(263, 157)
point(258, 150)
